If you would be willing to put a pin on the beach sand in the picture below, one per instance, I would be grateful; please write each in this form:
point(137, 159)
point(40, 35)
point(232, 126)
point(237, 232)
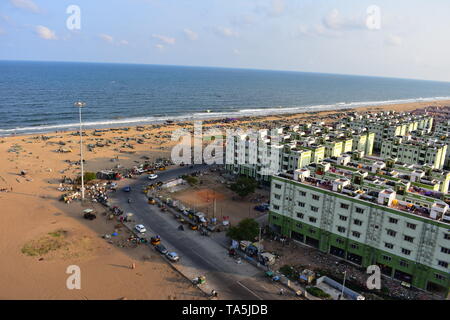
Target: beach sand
point(31, 211)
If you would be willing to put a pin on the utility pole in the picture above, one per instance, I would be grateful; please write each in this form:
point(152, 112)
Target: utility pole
point(343, 286)
point(80, 105)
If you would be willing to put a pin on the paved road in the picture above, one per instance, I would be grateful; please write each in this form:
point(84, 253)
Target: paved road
point(199, 255)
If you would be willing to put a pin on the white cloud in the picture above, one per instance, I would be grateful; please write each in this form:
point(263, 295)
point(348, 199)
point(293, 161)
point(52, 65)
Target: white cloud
point(165, 39)
point(394, 40)
point(277, 7)
point(28, 5)
point(226, 32)
point(191, 35)
point(45, 33)
point(318, 30)
point(159, 46)
point(243, 20)
point(336, 21)
point(110, 39)
point(106, 37)
point(236, 52)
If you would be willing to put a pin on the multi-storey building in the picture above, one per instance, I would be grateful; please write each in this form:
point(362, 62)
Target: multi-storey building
point(388, 124)
point(291, 149)
point(415, 151)
point(368, 213)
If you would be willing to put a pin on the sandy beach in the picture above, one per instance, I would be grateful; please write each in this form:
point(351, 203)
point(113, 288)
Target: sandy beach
point(33, 213)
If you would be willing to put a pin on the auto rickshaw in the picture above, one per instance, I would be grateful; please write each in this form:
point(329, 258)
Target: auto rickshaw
point(162, 168)
point(155, 240)
point(199, 280)
point(151, 201)
point(193, 226)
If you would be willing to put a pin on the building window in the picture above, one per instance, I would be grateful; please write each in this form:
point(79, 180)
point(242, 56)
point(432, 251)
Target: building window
point(312, 219)
point(411, 225)
point(404, 264)
point(299, 225)
point(445, 250)
point(341, 229)
point(340, 241)
point(343, 218)
point(356, 234)
point(391, 233)
point(315, 197)
point(277, 186)
point(439, 276)
point(276, 207)
point(354, 246)
point(357, 222)
point(389, 245)
point(393, 220)
point(344, 206)
point(408, 238)
point(359, 210)
point(447, 236)
point(302, 193)
point(301, 204)
point(443, 264)
point(277, 196)
point(312, 231)
point(314, 209)
point(300, 215)
point(406, 251)
point(386, 258)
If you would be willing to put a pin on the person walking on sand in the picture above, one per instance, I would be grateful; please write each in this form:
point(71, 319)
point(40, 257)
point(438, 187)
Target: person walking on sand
point(133, 265)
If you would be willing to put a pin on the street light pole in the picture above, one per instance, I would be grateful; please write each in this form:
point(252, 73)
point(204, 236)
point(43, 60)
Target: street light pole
point(80, 105)
point(343, 285)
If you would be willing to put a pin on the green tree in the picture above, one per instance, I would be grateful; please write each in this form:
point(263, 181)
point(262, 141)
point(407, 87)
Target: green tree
point(88, 176)
point(190, 179)
point(247, 229)
point(244, 186)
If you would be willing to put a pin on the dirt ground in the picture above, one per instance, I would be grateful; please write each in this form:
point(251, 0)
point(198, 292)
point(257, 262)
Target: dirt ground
point(228, 204)
point(302, 257)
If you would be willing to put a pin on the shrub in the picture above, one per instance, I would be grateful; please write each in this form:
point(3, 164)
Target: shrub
point(317, 292)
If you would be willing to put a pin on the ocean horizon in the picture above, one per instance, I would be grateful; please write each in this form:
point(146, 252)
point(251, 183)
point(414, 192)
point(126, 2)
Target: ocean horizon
point(38, 96)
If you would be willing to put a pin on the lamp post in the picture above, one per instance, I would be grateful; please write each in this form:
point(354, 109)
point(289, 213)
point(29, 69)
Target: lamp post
point(80, 105)
point(343, 286)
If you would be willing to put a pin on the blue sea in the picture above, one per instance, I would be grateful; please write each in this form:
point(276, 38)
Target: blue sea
point(39, 96)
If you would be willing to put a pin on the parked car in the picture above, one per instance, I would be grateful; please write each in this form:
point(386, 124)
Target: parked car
point(152, 176)
point(261, 207)
point(127, 189)
point(161, 249)
point(173, 256)
point(140, 228)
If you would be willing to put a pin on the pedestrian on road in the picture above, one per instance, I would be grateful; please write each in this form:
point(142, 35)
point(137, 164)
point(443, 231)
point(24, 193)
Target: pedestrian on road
point(133, 266)
point(281, 291)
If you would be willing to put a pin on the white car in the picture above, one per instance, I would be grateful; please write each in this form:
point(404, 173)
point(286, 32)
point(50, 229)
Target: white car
point(173, 256)
point(140, 228)
point(152, 176)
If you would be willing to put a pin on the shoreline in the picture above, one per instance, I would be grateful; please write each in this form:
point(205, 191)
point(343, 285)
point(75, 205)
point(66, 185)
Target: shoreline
point(34, 210)
point(216, 116)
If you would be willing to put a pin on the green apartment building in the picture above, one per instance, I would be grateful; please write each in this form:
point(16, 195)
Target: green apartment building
point(409, 242)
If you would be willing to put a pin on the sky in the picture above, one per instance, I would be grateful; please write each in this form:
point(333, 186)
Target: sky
point(401, 38)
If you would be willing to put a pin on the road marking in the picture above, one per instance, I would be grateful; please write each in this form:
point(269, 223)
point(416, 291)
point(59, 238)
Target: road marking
point(239, 283)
